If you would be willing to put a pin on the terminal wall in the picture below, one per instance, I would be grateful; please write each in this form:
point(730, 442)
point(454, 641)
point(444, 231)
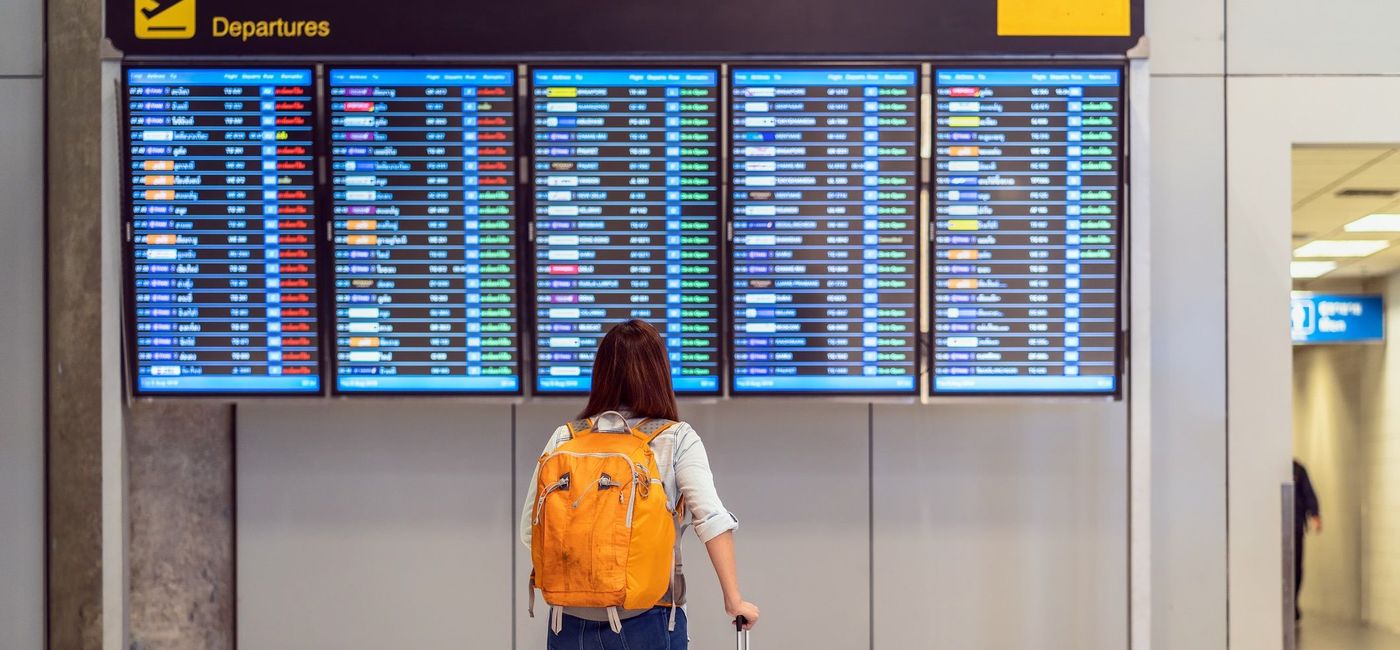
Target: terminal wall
point(1380, 542)
point(22, 326)
point(1198, 72)
point(22, 357)
point(375, 522)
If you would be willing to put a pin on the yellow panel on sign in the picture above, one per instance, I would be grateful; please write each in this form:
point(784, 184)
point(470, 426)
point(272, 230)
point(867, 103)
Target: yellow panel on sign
point(1064, 18)
point(159, 19)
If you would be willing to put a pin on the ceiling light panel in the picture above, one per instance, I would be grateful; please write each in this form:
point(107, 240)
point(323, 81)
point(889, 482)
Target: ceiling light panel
point(1341, 248)
point(1306, 270)
point(1375, 223)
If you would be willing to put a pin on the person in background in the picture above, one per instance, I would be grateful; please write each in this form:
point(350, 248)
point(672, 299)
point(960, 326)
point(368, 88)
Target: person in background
point(1306, 511)
point(632, 379)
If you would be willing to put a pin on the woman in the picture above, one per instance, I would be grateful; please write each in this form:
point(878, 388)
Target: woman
point(632, 376)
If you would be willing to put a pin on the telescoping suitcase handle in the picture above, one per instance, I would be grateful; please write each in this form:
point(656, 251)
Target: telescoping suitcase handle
point(742, 636)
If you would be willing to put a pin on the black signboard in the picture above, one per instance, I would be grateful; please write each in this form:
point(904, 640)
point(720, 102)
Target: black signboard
point(795, 27)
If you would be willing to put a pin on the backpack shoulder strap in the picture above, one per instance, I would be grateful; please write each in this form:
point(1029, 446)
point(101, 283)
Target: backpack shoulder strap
point(650, 428)
point(579, 427)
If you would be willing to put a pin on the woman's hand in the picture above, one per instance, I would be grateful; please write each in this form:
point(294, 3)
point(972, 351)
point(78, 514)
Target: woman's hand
point(745, 609)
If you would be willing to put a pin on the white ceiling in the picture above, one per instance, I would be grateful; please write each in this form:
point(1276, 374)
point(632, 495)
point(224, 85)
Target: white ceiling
point(1319, 173)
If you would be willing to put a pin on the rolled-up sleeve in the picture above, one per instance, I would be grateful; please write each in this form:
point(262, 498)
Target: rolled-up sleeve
point(527, 509)
point(697, 484)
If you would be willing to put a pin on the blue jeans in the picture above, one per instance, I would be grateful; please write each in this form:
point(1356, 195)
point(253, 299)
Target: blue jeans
point(644, 632)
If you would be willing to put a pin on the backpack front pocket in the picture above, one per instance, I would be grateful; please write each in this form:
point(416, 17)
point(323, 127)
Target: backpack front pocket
point(584, 528)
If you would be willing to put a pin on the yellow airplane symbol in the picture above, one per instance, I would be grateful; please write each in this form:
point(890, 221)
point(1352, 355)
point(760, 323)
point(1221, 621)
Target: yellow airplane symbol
point(158, 19)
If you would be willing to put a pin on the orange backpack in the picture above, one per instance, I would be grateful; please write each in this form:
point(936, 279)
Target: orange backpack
point(602, 534)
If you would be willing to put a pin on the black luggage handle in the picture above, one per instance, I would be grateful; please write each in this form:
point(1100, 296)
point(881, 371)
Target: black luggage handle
point(741, 635)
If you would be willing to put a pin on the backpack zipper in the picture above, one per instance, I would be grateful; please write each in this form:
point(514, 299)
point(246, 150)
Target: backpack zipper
point(631, 504)
point(604, 482)
point(561, 484)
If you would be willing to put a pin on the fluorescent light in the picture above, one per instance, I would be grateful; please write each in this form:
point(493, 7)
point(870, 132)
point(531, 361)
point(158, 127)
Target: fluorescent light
point(1305, 270)
point(1341, 248)
point(1375, 223)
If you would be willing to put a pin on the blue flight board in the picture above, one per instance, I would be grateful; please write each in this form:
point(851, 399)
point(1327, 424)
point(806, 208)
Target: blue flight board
point(825, 230)
point(627, 223)
point(424, 230)
point(222, 207)
point(1331, 318)
point(1027, 230)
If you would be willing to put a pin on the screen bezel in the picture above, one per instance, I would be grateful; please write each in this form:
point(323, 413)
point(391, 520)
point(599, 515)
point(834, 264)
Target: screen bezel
point(1121, 337)
point(920, 182)
point(127, 208)
point(721, 180)
point(328, 188)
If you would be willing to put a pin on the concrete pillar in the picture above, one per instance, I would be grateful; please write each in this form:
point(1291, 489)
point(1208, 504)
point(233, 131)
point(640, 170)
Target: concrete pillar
point(179, 496)
point(74, 368)
point(180, 541)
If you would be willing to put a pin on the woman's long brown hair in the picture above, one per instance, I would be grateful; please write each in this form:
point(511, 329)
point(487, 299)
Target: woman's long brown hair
point(633, 372)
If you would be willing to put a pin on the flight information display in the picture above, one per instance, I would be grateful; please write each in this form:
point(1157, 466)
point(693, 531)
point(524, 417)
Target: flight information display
point(627, 218)
point(424, 230)
point(1026, 230)
point(825, 230)
point(222, 208)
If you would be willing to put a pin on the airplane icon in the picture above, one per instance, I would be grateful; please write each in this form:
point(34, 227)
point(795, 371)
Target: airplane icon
point(161, 6)
point(164, 19)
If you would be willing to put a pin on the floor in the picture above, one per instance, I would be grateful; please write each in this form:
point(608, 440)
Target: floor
point(1319, 634)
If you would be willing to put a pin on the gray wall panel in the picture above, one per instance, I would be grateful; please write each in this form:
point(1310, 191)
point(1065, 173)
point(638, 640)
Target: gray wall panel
point(21, 38)
point(1188, 357)
point(1001, 525)
point(1283, 37)
point(22, 358)
point(374, 524)
point(995, 527)
point(796, 474)
point(1188, 36)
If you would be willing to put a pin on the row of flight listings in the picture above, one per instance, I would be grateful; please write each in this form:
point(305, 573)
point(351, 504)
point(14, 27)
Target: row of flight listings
point(228, 290)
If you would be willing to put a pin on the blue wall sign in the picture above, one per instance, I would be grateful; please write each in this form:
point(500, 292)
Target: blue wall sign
point(1323, 318)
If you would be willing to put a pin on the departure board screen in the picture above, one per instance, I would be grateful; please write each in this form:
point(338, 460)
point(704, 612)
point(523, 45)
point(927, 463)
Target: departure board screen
point(424, 230)
point(222, 209)
point(627, 221)
point(825, 230)
point(1026, 230)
